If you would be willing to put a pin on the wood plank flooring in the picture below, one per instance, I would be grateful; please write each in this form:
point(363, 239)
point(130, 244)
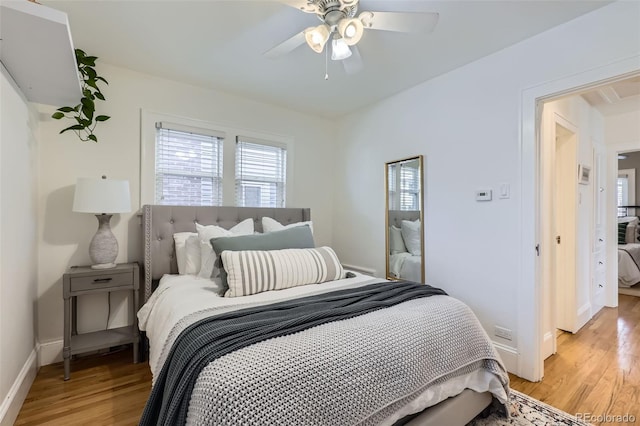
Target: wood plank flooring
point(595, 371)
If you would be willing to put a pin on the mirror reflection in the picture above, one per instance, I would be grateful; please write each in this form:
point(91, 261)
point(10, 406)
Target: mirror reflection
point(404, 218)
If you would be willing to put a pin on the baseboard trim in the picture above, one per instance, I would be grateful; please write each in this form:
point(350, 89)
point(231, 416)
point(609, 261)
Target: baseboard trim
point(12, 402)
point(361, 269)
point(49, 352)
point(509, 356)
point(547, 344)
point(584, 315)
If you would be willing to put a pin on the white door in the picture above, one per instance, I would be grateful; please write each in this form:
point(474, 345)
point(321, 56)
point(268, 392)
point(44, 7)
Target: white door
point(565, 203)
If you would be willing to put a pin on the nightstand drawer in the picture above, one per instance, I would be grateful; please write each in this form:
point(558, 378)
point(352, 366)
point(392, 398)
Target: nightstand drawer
point(101, 281)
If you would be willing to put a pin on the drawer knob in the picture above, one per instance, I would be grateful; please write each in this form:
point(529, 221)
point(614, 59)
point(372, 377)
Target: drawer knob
point(600, 239)
point(101, 280)
point(601, 262)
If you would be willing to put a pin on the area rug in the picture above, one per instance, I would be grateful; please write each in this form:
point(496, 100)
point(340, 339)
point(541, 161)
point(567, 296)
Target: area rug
point(526, 411)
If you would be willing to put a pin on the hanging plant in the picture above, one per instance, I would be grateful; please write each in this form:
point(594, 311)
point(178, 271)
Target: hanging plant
point(84, 112)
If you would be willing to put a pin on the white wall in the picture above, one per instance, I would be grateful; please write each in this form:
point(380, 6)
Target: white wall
point(18, 260)
point(467, 124)
point(64, 236)
point(622, 128)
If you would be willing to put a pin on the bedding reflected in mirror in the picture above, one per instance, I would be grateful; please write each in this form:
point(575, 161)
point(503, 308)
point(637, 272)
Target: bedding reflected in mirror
point(404, 217)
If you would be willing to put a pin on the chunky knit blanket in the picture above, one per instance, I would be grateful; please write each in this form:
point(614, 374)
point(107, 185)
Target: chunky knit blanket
point(349, 357)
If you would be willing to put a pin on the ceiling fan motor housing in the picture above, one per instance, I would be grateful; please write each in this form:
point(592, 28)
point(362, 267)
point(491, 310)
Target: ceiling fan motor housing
point(332, 11)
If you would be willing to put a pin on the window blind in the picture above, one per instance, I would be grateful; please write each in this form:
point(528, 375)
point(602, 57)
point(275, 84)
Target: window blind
point(188, 167)
point(409, 189)
point(623, 194)
point(260, 174)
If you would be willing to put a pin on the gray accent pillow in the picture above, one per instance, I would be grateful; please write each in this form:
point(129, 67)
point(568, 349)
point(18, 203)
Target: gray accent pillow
point(295, 237)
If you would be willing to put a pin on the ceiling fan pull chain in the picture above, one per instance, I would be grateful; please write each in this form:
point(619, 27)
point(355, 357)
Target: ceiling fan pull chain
point(326, 63)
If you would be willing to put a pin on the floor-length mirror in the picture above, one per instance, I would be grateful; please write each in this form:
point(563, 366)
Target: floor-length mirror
point(404, 219)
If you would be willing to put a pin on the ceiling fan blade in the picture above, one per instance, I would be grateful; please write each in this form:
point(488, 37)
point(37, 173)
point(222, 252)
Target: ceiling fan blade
point(286, 46)
point(353, 64)
point(302, 5)
point(404, 22)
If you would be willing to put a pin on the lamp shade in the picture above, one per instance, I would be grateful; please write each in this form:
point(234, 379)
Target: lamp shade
point(101, 196)
point(351, 30)
point(340, 50)
point(317, 37)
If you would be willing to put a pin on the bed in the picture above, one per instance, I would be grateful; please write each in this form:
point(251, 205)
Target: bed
point(405, 258)
point(368, 368)
point(628, 254)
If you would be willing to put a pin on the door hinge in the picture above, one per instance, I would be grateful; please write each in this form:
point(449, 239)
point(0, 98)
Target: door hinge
point(558, 239)
point(537, 249)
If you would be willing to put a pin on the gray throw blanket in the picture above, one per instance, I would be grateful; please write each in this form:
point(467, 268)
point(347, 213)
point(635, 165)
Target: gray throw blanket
point(211, 338)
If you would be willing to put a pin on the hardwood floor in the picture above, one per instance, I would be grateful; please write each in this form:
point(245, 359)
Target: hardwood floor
point(596, 371)
point(103, 390)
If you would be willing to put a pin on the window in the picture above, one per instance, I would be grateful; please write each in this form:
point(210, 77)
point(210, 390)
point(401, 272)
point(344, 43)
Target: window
point(185, 161)
point(260, 173)
point(626, 190)
point(188, 167)
point(408, 197)
point(409, 188)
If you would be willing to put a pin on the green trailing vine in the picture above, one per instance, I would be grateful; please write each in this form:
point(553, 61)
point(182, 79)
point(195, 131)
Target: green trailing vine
point(84, 113)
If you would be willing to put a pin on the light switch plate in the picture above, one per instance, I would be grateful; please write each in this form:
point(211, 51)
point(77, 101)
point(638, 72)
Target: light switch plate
point(505, 191)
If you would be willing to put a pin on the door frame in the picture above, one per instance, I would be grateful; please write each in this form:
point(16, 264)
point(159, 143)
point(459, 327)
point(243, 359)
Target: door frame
point(529, 306)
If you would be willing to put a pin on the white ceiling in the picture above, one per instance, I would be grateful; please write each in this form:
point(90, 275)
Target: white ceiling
point(616, 98)
point(219, 45)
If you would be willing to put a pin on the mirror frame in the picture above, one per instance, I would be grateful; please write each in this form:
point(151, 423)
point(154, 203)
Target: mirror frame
point(420, 204)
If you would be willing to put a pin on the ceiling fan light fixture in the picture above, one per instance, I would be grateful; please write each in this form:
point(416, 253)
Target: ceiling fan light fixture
point(339, 49)
point(317, 37)
point(351, 30)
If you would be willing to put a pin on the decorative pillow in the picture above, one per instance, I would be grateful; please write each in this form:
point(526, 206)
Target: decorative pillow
point(206, 233)
point(296, 237)
point(180, 242)
point(252, 271)
point(411, 235)
point(271, 225)
point(622, 233)
point(396, 243)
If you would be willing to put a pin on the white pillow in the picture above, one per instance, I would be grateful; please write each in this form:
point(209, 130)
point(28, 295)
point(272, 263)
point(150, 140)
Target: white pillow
point(396, 243)
point(192, 262)
point(180, 242)
point(411, 235)
point(270, 225)
point(207, 256)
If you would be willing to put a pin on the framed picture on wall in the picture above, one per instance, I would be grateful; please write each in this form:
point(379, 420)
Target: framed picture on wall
point(584, 174)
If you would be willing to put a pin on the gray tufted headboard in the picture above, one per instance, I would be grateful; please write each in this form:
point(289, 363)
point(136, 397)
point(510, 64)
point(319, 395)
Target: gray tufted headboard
point(159, 223)
point(397, 216)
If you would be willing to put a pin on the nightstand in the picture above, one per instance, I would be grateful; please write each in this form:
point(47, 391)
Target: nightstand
point(81, 280)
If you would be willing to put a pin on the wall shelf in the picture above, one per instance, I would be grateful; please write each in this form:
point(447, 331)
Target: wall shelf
point(37, 51)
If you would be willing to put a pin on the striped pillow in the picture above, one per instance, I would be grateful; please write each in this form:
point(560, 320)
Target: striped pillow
point(622, 233)
point(254, 271)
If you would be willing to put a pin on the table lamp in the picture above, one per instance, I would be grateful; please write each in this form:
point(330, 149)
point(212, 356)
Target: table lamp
point(102, 197)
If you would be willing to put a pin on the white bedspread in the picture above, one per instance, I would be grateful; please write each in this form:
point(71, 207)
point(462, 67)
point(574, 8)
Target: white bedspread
point(406, 266)
point(628, 272)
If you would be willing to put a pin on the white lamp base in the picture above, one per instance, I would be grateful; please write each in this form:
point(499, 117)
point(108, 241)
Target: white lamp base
point(104, 266)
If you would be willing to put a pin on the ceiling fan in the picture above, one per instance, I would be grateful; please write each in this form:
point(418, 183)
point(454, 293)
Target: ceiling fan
point(344, 27)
